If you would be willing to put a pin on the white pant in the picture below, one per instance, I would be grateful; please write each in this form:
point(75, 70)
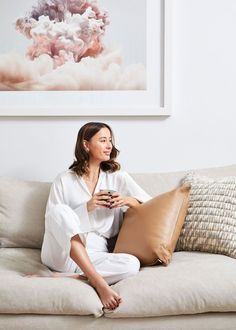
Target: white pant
point(61, 227)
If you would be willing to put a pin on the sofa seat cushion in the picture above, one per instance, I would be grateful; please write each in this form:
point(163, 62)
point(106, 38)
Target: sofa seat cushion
point(194, 282)
point(41, 295)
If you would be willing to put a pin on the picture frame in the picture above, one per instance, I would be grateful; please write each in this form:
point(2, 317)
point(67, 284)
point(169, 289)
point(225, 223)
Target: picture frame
point(154, 101)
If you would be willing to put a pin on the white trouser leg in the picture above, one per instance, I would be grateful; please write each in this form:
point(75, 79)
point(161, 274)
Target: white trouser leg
point(113, 267)
point(61, 225)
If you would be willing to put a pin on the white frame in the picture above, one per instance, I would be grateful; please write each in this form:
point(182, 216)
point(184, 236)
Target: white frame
point(55, 103)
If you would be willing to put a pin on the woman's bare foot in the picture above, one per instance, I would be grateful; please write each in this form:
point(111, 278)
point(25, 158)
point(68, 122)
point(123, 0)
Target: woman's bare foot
point(109, 298)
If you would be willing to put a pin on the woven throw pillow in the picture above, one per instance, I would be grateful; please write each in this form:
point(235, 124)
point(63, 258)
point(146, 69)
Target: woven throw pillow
point(150, 230)
point(210, 224)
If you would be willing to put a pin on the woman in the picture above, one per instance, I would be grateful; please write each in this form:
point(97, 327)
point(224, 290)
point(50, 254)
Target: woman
point(80, 217)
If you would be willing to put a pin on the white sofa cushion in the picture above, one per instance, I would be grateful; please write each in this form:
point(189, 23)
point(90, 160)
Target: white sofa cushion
point(210, 224)
point(41, 295)
point(194, 282)
point(154, 291)
point(22, 210)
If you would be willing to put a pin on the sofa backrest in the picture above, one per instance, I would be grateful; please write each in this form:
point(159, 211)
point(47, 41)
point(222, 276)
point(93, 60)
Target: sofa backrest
point(22, 209)
point(23, 203)
point(158, 183)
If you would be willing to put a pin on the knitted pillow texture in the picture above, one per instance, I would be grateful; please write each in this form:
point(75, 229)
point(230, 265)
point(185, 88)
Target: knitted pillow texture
point(210, 223)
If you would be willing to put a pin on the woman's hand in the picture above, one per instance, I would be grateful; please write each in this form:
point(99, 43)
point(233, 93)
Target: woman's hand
point(118, 201)
point(98, 200)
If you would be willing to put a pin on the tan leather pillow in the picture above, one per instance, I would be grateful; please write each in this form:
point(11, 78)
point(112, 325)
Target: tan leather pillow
point(151, 230)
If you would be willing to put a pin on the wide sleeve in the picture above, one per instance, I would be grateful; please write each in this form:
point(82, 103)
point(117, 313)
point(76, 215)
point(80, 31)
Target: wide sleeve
point(130, 188)
point(60, 194)
point(55, 197)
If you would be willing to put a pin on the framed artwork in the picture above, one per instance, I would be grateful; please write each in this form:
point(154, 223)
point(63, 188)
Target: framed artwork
point(85, 58)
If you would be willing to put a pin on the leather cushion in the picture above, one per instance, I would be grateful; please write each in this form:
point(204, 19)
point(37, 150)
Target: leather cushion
point(150, 230)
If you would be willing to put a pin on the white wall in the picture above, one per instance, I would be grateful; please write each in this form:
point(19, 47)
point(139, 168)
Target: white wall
point(200, 133)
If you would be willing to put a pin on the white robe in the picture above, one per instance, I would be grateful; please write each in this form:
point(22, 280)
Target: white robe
point(67, 215)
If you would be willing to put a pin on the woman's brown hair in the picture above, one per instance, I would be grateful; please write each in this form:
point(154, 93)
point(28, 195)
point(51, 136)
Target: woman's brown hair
point(80, 164)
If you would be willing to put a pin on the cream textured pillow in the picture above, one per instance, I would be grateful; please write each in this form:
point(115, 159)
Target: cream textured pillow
point(210, 224)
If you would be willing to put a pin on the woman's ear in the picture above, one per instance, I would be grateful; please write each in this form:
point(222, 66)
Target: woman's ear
point(86, 147)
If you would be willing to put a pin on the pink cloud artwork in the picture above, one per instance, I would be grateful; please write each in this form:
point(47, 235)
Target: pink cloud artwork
point(67, 51)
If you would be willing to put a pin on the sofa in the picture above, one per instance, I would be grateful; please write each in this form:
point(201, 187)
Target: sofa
point(197, 290)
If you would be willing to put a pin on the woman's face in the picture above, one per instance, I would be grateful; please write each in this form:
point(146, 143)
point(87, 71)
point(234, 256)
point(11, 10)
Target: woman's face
point(100, 145)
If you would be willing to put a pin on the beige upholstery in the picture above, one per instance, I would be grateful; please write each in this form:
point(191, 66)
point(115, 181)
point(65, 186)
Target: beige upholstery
point(194, 282)
point(41, 295)
point(158, 183)
point(206, 321)
point(154, 291)
point(189, 285)
point(22, 209)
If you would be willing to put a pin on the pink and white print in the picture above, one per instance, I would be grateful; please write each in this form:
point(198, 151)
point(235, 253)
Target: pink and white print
point(74, 45)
